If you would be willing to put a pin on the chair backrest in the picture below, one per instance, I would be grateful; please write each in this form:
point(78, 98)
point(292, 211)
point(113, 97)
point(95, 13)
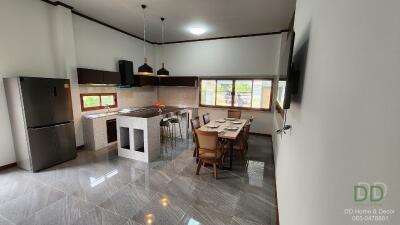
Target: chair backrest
point(251, 119)
point(195, 123)
point(246, 132)
point(206, 118)
point(233, 113)
point(207, 140)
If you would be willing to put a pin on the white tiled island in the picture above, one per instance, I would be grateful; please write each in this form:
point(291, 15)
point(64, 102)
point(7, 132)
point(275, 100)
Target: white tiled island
point(138, 133)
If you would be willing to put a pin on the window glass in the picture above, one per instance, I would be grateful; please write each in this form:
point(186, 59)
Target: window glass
point(262, 90)
point(281, 92)
point(107, 100)
point(250, 93)
point(243, 93)
point(91, 101)
point(98, 101)
point(224, 92)
point(208, 92)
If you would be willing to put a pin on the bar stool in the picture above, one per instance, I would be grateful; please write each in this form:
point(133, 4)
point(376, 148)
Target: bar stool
point(176, 119)
point(165, 129)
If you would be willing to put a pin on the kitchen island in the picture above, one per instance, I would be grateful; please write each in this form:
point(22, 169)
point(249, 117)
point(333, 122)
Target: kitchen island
point(138, 133)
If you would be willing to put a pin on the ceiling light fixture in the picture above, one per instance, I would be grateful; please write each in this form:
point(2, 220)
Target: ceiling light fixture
point(162, 71)
point(197, 30)
point(145, 69)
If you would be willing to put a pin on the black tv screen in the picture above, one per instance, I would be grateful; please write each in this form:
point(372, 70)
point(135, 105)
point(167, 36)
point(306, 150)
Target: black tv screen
point(287, 81)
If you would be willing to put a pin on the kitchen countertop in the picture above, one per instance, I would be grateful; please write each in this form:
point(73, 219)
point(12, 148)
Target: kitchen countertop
point(142, 112)
point(152, 112)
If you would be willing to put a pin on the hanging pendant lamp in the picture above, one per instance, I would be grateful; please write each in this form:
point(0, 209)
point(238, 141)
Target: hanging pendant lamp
point(145, 69)
point(162, 71)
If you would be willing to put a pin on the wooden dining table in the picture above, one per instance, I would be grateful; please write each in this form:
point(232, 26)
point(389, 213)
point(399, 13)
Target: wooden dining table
point(222, 126)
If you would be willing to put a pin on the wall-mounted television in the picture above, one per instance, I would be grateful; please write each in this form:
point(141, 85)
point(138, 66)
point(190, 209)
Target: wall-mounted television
point(288, 81)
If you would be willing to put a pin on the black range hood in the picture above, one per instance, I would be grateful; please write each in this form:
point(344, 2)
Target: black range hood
point(126, 73)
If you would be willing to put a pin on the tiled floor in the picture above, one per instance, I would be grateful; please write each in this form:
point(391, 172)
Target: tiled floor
point(100, 188)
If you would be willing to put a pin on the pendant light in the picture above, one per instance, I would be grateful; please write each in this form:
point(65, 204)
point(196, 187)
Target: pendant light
point(145, 69)
point(162, 71)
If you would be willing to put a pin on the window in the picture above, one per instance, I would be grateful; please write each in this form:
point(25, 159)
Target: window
point(281, 92)
point(236, 93)
point(98, 101)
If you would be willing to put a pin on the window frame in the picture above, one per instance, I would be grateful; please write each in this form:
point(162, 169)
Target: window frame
point(234, 79)
point(278, 106)
point(100, 106)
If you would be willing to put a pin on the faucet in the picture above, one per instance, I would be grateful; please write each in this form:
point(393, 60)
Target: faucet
point(108, 108)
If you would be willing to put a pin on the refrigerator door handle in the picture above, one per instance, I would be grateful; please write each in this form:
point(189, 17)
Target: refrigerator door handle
point(51, 125)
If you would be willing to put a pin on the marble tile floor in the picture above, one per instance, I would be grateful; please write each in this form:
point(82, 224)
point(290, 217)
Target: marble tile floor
point(100, 188)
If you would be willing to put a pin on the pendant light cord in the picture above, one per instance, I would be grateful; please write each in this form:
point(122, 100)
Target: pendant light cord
point(144, 31)
point(162, 40)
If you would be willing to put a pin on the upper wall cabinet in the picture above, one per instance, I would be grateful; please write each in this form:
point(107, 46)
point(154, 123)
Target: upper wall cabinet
point(145, 80)
point(89, 76)
point(179, 81)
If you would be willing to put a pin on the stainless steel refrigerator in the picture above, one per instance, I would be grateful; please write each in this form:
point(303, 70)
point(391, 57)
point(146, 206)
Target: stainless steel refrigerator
point(41, 117)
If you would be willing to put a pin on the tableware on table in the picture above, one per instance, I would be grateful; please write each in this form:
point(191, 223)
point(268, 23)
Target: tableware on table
point(232, 128)
point(212, 126)
point(220, 121)
point(237, 122)
point(231, 119)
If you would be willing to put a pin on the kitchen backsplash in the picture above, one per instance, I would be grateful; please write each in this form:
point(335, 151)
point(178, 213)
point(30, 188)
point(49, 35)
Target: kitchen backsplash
point(178, 96)
point(127, 97)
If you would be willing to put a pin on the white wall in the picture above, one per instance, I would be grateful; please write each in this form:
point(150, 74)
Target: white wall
point(237, 56)
point(251, 56)
point(100, 47)
point(345, 121)
point(26, 49)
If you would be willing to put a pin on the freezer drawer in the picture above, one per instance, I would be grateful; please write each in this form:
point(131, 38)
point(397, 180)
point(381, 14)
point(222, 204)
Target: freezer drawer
point(51, 145)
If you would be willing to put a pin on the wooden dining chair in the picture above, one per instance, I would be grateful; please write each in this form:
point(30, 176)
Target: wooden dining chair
point(206, 118)
point(209, 149)
point(233, 113)
point(240, 145)
point(195, 123)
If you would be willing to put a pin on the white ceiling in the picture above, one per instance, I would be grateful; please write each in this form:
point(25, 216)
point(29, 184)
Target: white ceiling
point(220, 17)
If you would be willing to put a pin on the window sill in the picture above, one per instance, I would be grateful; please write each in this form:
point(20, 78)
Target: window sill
point(97, 108)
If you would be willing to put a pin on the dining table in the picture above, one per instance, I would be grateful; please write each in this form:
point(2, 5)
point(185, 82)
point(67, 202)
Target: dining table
point(228, 129)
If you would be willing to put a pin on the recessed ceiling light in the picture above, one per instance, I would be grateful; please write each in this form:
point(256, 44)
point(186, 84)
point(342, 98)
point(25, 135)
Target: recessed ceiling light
point(197, 30)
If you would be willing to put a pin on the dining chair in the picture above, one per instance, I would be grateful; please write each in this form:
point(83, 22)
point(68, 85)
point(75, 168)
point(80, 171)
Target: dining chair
point(240, 145)
point(251, 119)
point(195, 123)
point(206, 118)
point(209, 150)
point(233, 113)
